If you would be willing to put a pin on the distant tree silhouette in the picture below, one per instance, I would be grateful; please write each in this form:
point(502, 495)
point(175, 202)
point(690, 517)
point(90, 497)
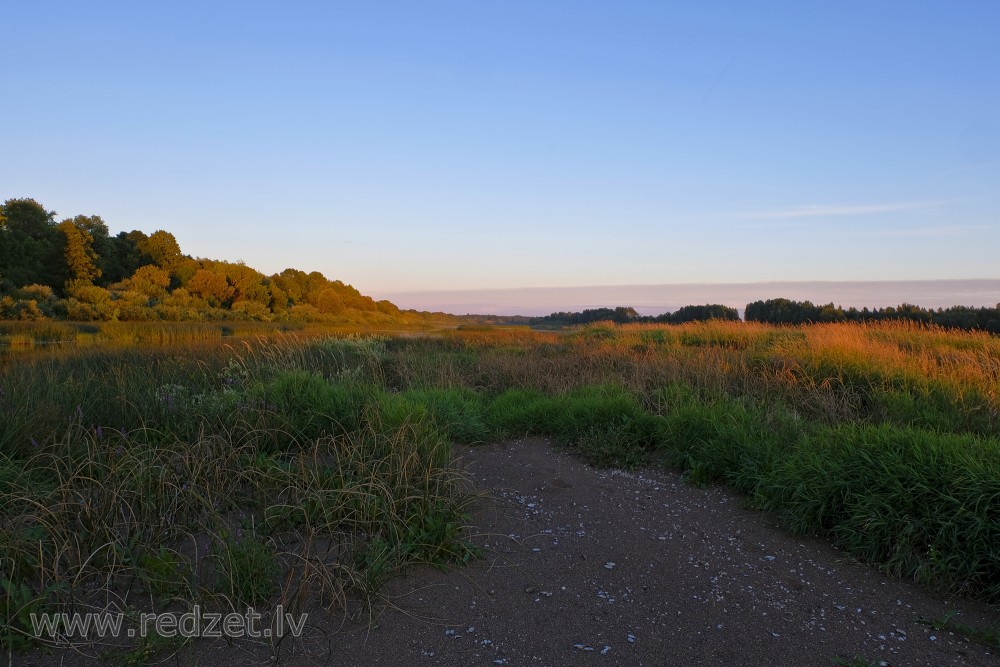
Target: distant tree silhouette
point(696, 313)
point(784, 311)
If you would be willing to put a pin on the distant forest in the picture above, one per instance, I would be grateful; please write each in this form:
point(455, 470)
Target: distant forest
point(624, 314)
point(784, 311)
point(76, 270)
point(780, 311)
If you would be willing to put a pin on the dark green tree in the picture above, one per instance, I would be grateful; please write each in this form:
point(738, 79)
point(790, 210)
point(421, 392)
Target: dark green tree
point(31, 248)
point(123, 257)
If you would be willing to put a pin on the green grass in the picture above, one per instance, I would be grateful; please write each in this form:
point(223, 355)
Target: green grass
point(990, 636)
point(213, 479)
point(307, 470)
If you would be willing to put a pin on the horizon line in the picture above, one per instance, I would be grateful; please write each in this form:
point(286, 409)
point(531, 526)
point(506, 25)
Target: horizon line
point(688, 284)
point(668, 297)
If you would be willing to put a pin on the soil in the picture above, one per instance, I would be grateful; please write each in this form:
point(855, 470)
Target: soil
point(604, 567)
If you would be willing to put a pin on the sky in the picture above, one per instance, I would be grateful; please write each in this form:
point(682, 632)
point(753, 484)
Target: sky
point(428, 147)
point(657, 299)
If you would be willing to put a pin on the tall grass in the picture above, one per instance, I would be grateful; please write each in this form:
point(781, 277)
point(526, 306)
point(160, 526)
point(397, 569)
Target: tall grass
point(229, 476)
point(147, 475)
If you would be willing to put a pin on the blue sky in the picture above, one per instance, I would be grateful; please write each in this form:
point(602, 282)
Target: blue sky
point(472, 145)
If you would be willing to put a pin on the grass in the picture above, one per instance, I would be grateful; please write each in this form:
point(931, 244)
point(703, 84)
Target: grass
point(989, 636)
point(303, 468)
point(233, 479)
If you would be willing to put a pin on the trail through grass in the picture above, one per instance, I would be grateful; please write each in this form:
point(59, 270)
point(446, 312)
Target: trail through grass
point(302, 469)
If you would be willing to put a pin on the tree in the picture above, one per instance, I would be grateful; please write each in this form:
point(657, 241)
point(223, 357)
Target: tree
point(124, 257)
point(162, 248)
point(31, 248)
point(314, 283)
point(76, 268)
point(292, 283)
point(248, 284)
point(81, 260)
point(149, 281)
point(101, 242)
point(387, 307)
point(279, 300)
point(329, 301)
point(89, 302)
point(186, 270)
point(712, 311)
point(211, 286)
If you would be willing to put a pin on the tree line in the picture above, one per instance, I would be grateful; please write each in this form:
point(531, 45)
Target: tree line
point(781, 311)
point(785, 311)
point(75, 269)
point(626, 314)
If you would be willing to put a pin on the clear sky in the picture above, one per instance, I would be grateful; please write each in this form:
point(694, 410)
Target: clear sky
point(468, 145)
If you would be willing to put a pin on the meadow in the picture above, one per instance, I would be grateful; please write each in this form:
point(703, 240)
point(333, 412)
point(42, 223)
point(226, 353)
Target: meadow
point(184, 464)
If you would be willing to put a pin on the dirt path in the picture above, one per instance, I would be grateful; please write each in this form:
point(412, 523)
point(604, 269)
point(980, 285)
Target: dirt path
point(599, 567)
point(609, 568)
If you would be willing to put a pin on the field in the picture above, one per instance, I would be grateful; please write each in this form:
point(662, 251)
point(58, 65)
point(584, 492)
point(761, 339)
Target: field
point(302, 467)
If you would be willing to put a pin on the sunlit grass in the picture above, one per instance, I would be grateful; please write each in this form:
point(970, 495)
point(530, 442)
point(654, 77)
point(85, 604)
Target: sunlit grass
point(166, 469)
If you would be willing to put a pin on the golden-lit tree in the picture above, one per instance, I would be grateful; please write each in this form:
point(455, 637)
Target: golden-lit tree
point(248, 284)
point(329, 301)
point(81, 260)
point(163, 249)
point(149, 281)
point(211, 286)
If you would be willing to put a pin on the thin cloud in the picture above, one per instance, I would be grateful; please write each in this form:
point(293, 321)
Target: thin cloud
point(957, 230)
point(823, 210)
